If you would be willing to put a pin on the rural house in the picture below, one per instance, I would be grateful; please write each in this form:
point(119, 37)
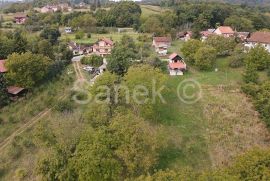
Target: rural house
point(20, 18)
point(225, 31)
point(13, 91)
point(176, 65)
point(103, 47)
point(79, 49)
point(206, 34)
point(161, 44)
point(259, 38)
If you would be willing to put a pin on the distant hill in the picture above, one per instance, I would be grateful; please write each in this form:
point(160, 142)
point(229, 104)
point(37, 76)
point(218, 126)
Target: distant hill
point(248, 2)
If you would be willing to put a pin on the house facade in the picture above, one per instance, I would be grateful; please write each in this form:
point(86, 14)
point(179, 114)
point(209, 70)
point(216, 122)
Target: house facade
point(79, 49)
point(225, 31)
point(259, 38)
point(176, 65)
point(161, 44)
point(20, 18)
point(103, 47)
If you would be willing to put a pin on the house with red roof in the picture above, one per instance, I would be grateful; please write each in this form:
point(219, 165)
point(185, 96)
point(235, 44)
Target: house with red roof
point(103, 47)
point(20, 18)
point(225, 31)
point(259, 38)
point(161, 44)
point(176, 65)
point(205, 34)
point(3, 69)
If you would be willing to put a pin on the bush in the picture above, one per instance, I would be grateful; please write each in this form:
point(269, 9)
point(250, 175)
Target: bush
point(20, 173)
point(88, 35)
point(64, 106)
point(79, 35)
point(1, 121)
point(93, 60)
point(205, 58)
point(101, 30)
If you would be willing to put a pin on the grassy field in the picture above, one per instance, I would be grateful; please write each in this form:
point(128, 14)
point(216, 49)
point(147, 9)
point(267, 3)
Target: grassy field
point(94, 37)
point(204, 134)
point(148, 10)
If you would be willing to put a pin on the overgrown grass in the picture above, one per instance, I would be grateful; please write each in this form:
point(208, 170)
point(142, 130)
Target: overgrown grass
point(18, 113)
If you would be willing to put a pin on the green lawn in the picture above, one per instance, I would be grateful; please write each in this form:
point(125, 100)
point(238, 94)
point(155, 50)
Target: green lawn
point(94, 37)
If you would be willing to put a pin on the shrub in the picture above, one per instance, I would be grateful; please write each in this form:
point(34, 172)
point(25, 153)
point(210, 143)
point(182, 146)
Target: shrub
point(79, 35)
point(1, 121)
point(88, 35)
point(205, 58)
point(93, 60)
point(64, 106)
point(20, 173)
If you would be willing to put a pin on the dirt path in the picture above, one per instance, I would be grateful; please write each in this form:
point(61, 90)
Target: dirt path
point(39, 116)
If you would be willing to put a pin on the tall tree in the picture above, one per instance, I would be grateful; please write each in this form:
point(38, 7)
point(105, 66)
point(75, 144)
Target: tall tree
point(4, 99)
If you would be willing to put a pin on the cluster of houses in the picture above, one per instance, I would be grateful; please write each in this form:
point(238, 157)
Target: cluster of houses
point(101, 48)
point(13, 91)
point(250, 40)
point(64, 7)
point(176, 64)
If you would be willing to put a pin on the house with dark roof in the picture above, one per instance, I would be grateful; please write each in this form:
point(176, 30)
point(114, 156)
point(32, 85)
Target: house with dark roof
point(161, 44)
point(14, 91)
point(225, 31)
point(103, 47)
point(176, 65)
point(259, 38)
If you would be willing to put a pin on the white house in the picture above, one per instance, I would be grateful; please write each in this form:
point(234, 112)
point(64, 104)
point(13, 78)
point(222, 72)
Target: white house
point(259, 38)
point(176, 65)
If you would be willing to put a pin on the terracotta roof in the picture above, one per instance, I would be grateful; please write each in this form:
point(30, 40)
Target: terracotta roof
point(206, 33)
point(107, 40)
point(3, 69)
point(14, 90)
point(177, 65)
point(172, 56)
point(225, 30)
point(260, 37)
point(162, 39)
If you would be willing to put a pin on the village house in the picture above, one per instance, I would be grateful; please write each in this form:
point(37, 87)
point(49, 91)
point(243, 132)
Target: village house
point(243, 36)
point(176, 65)
point(161, 44)
point(259, 38)
point(78, 49)
point(20, 18)
point(54, 8)
point(185, 36)
point(225, 31)
point(103, 47)
point(13, 91)
point(206, 34)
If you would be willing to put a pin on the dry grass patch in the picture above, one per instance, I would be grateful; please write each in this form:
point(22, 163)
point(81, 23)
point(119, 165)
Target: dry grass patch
point(232, 126)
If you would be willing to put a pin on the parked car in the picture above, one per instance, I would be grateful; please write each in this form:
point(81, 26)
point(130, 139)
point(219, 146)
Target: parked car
point(88, 68)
